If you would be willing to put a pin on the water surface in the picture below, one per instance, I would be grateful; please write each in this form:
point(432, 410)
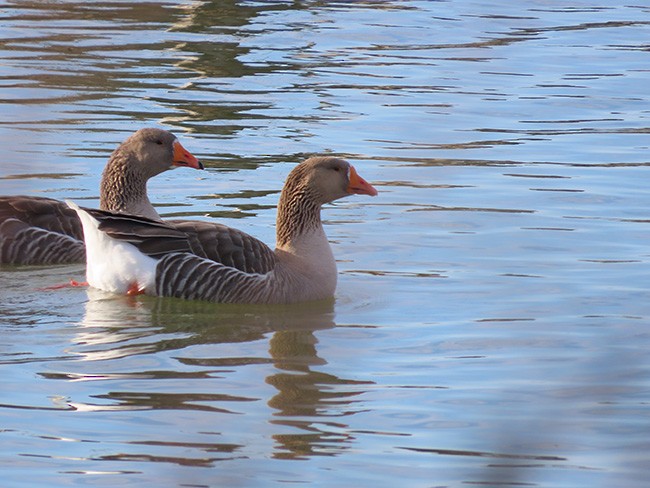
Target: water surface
point(490, 324)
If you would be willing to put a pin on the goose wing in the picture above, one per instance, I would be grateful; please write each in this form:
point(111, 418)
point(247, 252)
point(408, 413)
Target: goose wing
point(228, 246)
point(45, 213)
point(151, 237)
point(207, 240)
point(181, 271)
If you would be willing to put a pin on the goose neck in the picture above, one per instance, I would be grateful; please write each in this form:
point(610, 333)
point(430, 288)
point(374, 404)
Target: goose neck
point(298, 217)
point(124, 189)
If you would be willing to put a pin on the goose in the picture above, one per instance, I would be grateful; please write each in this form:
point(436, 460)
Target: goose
point(132, 255)
point(37, 230)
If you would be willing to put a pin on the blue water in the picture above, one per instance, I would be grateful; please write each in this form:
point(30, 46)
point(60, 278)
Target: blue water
point(490, 324)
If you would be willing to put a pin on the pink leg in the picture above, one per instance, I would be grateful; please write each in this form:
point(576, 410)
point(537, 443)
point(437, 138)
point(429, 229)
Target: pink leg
point(70, 284)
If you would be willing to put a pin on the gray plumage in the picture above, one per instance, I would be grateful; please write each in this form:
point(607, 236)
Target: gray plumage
point(36, 230)
point(187, 276)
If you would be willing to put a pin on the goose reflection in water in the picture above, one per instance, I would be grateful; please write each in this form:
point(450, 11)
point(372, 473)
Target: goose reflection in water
point(307, 399)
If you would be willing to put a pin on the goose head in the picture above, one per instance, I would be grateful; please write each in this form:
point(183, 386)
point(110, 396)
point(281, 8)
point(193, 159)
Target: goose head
point(151, 151)
point(147, 153)
point(310, 185)
point(326, 179)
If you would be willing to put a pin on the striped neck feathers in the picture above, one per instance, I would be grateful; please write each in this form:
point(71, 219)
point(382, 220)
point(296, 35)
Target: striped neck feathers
point(298, 214)
point(124, 188)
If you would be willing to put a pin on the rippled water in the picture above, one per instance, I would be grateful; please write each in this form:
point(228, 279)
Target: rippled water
point(491, 322)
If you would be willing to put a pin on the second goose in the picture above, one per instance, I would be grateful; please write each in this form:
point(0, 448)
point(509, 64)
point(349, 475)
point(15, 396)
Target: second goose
point(37, 230)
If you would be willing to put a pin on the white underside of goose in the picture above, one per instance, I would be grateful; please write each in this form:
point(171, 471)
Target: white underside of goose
point(112, 265)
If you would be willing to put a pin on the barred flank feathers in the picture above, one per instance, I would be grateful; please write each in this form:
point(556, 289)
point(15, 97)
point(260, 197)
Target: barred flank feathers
point(187, 276)
point(22, 244)
point(37, 230)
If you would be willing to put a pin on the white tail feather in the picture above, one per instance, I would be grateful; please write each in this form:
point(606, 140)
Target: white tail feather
point(113, 265)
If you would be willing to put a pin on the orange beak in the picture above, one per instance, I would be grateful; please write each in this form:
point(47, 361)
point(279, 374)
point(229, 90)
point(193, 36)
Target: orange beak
point(359, 185)
point(182, 157)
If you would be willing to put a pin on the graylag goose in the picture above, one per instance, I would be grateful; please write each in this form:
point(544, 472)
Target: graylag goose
point(36, 230)
point(129, 254)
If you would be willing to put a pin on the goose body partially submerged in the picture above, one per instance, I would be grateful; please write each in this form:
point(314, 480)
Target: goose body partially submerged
point(37, 230)
point(130, 254)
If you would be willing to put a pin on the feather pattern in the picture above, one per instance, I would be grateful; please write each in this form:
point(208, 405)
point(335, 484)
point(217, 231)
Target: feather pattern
point(225, 245)
point(187, 276)
point(153, 238)
point(36, 230)
point(118, 176)
point(26, 244)
point(46, 213)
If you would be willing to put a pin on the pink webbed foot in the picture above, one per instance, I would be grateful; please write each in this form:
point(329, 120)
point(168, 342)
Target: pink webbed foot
point(135, 289)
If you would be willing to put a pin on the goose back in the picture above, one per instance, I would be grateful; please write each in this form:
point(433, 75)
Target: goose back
point(46, 213)
point(226, 245)
point(206, 240)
